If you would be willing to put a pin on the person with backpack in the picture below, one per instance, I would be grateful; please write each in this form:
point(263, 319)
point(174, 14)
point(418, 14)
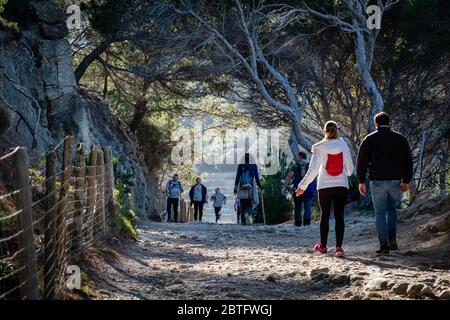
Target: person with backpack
point(385, 157)
point(244, 187)
point(218, 199)
point(199, 196)
point(331, 160)
point(294, 176)
point(173, 192)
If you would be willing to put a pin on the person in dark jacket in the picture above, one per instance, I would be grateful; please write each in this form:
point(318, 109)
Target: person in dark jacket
point(294, 176)
point(246, 171)
point(385, 157)
point(199, 196)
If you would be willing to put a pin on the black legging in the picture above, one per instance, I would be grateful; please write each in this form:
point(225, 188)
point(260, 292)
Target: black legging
point(217, 212)
point(337, 196)
point(198, 210)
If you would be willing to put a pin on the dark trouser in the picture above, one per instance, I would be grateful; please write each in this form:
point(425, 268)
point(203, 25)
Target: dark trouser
point(338, 197)
point(238, 214)
point(217, 212)
point(307, 204)
point(246, 206)
point(198, 210)
point(172, 202)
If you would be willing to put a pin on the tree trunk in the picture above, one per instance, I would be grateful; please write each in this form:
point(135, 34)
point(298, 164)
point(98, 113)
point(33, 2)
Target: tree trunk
point(87, 61)
point(364, 66)
point(140, 110)
point(105, 78)
point(140, 107)
point(299, 136)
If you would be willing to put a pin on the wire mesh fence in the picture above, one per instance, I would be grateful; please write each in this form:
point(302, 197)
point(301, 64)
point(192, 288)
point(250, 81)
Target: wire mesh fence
point(47, 221)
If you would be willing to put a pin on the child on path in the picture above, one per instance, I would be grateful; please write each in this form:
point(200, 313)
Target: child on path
point(219, 200)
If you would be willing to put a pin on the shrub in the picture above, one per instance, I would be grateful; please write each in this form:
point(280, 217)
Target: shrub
point(277, 208)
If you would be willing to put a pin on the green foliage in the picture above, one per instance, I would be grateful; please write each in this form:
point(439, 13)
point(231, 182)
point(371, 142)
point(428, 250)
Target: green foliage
point(105, 15)
point(277, 208)
point(124, 223)
point(5, 224)
point(36, 176)
point(4, 23)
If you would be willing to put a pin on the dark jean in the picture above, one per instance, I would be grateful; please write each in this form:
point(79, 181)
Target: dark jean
point(307, 204)
point(385, 197)
point(198, 210)
point(172, 202)
point(246, 207)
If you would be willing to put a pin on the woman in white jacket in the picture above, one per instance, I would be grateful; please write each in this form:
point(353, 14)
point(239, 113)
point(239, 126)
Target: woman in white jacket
point(331, 159)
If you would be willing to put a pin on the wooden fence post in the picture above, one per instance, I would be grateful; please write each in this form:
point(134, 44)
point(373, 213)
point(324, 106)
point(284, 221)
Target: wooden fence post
point(23, 199)
point(50, 225)
point(62, 206)
point(109, 185)
point(80, 172)
point(182, 213)
point(91, 194)
point(100, 220)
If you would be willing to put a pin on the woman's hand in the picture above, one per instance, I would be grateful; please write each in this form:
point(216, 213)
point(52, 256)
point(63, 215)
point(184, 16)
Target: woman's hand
point(299, 192)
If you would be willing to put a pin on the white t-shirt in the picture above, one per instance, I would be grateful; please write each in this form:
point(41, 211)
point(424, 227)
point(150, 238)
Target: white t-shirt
point(218, 199)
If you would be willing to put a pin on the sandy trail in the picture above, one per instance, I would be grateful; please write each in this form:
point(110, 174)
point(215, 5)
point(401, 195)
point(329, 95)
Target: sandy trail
point(229, 261)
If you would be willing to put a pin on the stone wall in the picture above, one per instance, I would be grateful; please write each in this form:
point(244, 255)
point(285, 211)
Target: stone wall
point(38, 88)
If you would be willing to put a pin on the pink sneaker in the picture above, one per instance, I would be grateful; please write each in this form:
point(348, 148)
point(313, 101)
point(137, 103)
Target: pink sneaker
point(339, 252)
point(319, 249)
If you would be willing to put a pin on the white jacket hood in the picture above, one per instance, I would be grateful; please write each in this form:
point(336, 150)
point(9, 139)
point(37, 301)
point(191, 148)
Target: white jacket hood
point(333, 146)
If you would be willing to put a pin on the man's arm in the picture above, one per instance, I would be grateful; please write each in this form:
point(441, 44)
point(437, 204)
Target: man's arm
point(362, 162)
point(408, 169)
point(288, 179)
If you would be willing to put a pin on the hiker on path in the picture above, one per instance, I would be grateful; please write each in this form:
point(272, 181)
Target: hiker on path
point(173, 192)
point(332, 161)
point(245, 189)
point(237, 208)
point(219, 200)
point(199, 196)
point(295, 175)
point(385, 156)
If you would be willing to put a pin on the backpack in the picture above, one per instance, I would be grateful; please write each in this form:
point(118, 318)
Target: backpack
point(300, 170)
point(246, 181)
point(245, 184)
point(173, 185)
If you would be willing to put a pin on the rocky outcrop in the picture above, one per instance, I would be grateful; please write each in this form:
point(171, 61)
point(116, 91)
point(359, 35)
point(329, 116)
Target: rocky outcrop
point(38, 88)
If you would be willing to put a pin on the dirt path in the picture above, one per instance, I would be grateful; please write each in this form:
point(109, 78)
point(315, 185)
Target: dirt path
point(208, 261)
